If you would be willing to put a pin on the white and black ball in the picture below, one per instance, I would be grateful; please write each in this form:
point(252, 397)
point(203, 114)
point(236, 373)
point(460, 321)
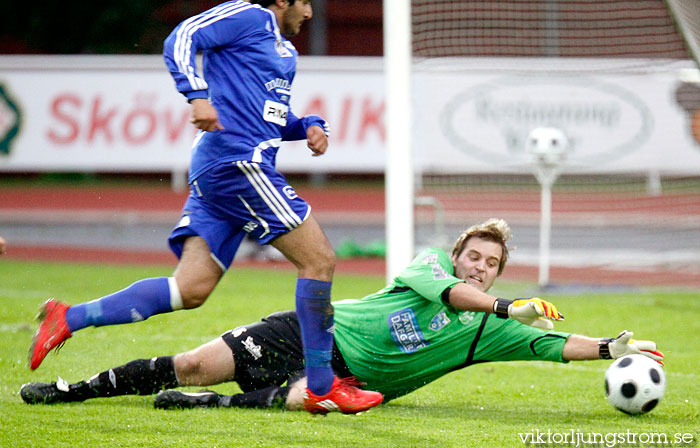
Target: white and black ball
point(635, 384)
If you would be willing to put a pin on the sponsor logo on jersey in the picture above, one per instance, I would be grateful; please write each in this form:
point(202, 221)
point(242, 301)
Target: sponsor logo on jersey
point(439, 273)
point(282, 49)
point(10, 121)
point(278, 83)
point(404, 328)
point(275, 112)
point(252, 348)
point(430, 258)
point(439, 321)
point(466, 317)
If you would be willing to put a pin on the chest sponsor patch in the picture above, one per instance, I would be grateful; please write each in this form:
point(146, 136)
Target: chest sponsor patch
point(404, 328)
point(275, 112)
point(467, 317)
point(439, 321)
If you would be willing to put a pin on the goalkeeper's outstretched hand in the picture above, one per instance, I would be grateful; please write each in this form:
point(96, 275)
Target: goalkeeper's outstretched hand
point(624, 345)
point(534, 312)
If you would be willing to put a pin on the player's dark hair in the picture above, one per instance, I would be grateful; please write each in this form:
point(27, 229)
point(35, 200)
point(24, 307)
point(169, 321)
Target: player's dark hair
point(266, 3)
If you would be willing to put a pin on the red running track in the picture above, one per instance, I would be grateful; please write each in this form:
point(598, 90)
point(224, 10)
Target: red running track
point(354, 200)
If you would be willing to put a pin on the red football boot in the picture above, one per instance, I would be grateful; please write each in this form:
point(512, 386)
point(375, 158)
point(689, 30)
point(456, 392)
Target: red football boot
point(53, 330)
point(344, 396)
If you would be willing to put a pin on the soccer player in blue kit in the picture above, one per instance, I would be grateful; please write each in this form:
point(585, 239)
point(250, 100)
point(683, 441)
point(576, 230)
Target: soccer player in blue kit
point(241, 107)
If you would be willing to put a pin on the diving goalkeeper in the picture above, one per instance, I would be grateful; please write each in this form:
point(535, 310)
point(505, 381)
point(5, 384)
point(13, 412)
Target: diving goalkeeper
point(434, 318)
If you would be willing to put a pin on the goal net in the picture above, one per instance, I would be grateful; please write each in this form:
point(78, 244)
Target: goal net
point(617, 77)
point(545, 28)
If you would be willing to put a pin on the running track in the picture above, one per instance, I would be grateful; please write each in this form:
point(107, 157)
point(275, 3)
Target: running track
point(61, 204)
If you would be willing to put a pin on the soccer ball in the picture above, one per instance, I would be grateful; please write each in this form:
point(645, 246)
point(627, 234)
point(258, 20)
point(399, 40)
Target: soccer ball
point(635, 384)
point(547, 146)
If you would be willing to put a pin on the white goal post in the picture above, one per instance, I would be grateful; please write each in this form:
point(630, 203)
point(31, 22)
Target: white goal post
point(687, 15)
point(399, 164)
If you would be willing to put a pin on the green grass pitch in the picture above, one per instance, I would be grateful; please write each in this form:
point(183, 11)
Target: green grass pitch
point(487, 405)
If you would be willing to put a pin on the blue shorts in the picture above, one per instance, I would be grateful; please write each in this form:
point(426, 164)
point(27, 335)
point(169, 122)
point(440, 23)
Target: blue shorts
point(236, 199)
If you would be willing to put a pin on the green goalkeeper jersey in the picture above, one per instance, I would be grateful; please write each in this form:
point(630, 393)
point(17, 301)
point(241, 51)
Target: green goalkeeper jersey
point(406, 336)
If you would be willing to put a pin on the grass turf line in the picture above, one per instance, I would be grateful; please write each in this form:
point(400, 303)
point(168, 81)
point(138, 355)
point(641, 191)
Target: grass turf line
point(484, 405)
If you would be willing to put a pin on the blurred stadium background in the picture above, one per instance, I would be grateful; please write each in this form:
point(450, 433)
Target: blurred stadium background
point(94, 140)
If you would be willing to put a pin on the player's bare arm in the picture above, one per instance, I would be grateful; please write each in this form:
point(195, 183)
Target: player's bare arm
point(465, 297)
point(581, 348)
point(204, 115)
point(316, 140)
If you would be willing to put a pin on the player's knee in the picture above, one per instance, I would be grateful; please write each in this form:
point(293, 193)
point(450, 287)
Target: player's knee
point(196, 273)
point(326, 259)
point(320, 266)
point(194, 295)
point(187, 368)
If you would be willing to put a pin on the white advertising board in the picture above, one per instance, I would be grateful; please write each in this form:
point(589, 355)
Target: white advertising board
point(615, 122)
point(122, 113)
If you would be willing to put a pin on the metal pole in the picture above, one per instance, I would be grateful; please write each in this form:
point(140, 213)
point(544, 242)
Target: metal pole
point(545, 231)
point(318, 35)
point(399, 185)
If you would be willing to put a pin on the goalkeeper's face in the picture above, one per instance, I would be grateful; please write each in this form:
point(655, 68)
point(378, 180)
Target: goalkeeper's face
point(478, 263)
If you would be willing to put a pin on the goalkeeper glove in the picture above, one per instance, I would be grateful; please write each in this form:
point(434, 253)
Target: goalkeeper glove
point(623, 345)
point(535, 312)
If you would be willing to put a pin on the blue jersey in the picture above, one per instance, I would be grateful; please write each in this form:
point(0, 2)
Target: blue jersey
point(248, 69)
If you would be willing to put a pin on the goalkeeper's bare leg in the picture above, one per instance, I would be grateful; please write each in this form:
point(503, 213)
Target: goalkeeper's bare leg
point(237, 351)
point(206, 365)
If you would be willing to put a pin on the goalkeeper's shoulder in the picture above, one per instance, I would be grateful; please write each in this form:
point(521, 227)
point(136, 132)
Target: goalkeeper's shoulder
point(432, 255)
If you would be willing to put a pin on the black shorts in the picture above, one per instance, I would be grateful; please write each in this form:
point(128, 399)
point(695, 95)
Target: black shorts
point(269, 352)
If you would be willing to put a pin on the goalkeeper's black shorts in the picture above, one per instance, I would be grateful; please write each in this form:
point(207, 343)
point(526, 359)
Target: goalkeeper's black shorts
point(270, 352)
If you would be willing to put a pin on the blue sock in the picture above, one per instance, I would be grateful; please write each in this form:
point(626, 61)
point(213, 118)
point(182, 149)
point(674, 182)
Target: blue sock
point(137, 302)
point(315, 312)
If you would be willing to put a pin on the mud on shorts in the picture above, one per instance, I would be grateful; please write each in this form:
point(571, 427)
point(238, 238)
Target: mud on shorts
point(270, 352)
